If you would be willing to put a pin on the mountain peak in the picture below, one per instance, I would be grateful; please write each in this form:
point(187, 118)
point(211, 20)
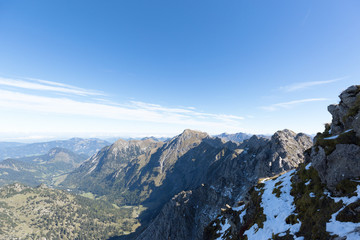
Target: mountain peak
point(287, 133)
point(195, 133)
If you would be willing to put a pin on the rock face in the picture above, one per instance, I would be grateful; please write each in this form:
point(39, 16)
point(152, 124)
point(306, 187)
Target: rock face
point(226, 181)
point(336, 154)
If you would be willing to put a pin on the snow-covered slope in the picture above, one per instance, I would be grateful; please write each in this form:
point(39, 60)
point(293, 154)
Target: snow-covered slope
point(294, 205)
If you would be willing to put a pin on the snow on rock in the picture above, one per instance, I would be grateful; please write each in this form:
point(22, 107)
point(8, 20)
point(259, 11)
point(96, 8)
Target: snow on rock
point(276, 210)
point(336, 136)
point(344, 229)
point(224, 227)
point(332, 137)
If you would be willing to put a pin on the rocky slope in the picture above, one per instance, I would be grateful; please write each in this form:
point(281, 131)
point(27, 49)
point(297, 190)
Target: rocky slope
point(76, 145)
point(39, 169)
point(226, 180)
point(319, 200)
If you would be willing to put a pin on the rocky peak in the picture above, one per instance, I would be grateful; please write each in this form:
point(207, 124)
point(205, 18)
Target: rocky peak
point(133, 145)
point(191, 135)
point(286, 133)
point(179, 145)
point(282, 152)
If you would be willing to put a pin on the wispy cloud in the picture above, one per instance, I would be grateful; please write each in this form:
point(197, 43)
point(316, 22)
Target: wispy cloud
point(303, 85)
point(32, 98)
point(133, 111)
point(291, 104)
point(306, 17)
point(42, 85)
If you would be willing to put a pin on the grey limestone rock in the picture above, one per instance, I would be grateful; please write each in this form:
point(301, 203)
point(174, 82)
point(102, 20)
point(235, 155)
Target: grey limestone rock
point(342, 120)
point(344, 161)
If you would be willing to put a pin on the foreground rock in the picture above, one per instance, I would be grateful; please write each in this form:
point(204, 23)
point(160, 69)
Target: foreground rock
point(336, 155)
point(319, 200)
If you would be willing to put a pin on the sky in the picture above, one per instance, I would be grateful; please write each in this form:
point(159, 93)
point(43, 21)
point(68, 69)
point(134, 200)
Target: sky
point(154, 68)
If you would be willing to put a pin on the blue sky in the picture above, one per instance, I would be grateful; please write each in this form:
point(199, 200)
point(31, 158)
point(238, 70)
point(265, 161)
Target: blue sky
point(138, 68)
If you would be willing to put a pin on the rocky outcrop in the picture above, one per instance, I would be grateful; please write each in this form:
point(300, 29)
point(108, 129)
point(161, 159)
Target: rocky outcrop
point(346, 114)
point(226, 182)
point(336, 154)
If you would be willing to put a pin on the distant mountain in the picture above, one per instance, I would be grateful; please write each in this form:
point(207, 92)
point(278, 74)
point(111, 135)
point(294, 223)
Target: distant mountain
point(40, 169)
point(161, 139)
point(236, 137)
point(45, 213)
point(76, 145)
point(10, 144)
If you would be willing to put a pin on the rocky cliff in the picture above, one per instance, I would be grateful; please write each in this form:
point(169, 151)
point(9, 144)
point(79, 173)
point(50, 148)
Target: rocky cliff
point(336, 155)
point(318, 200)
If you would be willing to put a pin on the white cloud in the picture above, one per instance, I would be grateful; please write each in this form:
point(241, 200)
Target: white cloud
point(34, 107)
point(134, 111)
point(303, 85)
point(291, 104)
point(42, 85)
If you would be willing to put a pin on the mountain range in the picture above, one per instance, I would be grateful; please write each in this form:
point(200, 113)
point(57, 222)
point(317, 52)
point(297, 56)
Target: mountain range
point(76, 145)
point(195, 186)
point(46, 168)
point(151, 173)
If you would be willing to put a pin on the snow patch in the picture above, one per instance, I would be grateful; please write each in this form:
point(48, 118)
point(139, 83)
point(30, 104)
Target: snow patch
point(332, 137)
point(224, 227)
point(276, 210)
point(336, 136)
point(349, 230)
